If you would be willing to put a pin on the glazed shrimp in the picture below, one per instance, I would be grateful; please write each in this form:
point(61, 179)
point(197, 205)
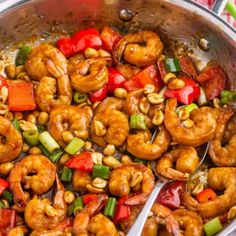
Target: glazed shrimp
point(186, 159)
point(226, 155)
point(80, 180)
point(203, 130)
point(116, 127)
point(41, 181)
point(10, 141)
point(110, 103)
point(72, 118)
point(45, 60)
point(221, 178)
point(131, 49)
point(47, 89)
point(89, 75)
point(74, 61)
point(189, 221)
point(126, 176)
point(36, 216)
point(139, 145)
point(50, 233)
point(128, 71)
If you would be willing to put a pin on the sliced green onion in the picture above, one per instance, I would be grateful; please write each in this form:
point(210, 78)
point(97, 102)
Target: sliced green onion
point(78, 205)
point(22, 55)
point(8, 196)
point(172, 64)
point(41, 128)
point(227, 96)
point(66, 174)
point(140, 161)
point(44, 150)
point(137, 121)
point(225, 93)
point(31, 137)
point(231, 9)
point(100, 171)
point(212, 227)
point(202, 99)
point(80, 97)
point(48, 142)
point(70, 209)
point(16, 124)
point(2, 205)
point(56, 156)
point(110, 207)
point(74, 146)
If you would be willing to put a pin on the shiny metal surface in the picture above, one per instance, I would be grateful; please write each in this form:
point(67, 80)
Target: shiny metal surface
point(181, 20)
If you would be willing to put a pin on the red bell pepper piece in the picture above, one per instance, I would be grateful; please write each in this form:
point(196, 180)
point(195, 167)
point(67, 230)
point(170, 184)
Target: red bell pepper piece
point(3, 82)
point(169, 195)
point(116, 80)
point(21, 96)
point(7, 221)
point(186, 95)
point(88, 38)
point(187, 66)
point(82, 162)
point(161, 69)
point(149, 75)
point(89, 197)
point(3, 185)
point(206, 195)
point(122, 211)
point(98, 95)
point(212, 79)
point(110, 38)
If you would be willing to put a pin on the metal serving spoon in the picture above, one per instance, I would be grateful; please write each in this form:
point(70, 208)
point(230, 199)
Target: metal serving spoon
point(137, 227)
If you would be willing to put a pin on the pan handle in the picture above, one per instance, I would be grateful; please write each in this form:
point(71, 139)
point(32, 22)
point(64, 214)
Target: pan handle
point(219, 6)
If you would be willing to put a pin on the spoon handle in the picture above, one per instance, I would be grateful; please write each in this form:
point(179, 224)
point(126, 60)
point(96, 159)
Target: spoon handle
point(137, 227)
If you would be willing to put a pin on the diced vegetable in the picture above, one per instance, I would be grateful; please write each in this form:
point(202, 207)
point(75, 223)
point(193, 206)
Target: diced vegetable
point(22, 55)
point(16, 124)
point(212, 79)
point(212, 227)
point(116, 80)
point(169, 194)
point(7, 221)
point(89, 197)
point(98, 95)
point(148, 75)
point(206, 195)
point(66, 174)
point(40, 128)
point(122, 211)
point(78, 205)
point(3, 82)
point(202, 99)
point(109, 38)
point(100, 171)
point(8, 196)
point(80, 97)
point(172, 64)
point(110, 207)
point(48, 142)
point(74, 146)
point(187, 66)
point(56, 156)
point(189, 108)
point(137, 121)
point(83, 162)
point(186, 95)
point(21, 96)
point(44, 150)
point(31, 137)
point(227, 96)
point(3, 185)
point(141, 161)
point(88, 38)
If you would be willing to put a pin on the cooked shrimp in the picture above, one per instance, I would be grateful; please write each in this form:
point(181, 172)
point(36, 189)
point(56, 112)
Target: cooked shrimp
point(50, 233)
point(10, 141)
point(138, 144)
point(47, 89)
point(116, 124)
point(160, 215)
point(46, 60)
point(89, 75)
point(80, 180)
point(36, 215)
point(131, 48)
point(89, 222)
point(72, 118)
point(223, 155)
point(221, 178)
point(186, 159)
point(189, 221)
point(40, 182)
point(204, 119)
point(110, 103)
point(74, 61)
point(128, 71)
point(126, 176)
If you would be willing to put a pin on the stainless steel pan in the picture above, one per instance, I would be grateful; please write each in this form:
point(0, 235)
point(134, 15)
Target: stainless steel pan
point(181, 20)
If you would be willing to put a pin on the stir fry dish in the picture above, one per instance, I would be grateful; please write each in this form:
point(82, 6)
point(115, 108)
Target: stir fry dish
point(89, 124)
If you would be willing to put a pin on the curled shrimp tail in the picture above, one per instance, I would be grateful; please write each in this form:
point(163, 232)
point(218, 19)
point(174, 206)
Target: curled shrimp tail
point(137, 199)
point(172, 226)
